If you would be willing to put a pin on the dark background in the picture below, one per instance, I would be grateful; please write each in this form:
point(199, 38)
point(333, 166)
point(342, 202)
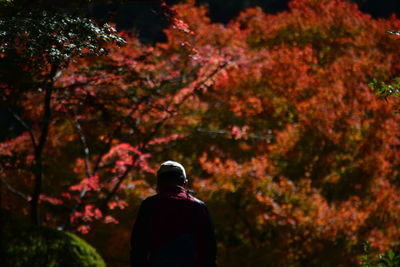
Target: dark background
point(143, 17)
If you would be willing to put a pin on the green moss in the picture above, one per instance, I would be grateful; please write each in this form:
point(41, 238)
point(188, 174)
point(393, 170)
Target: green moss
point(46, 247)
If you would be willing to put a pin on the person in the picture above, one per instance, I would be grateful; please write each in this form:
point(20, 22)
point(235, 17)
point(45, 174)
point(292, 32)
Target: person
point(173, 228)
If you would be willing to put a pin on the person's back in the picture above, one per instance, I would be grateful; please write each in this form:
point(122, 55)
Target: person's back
point(172, 228)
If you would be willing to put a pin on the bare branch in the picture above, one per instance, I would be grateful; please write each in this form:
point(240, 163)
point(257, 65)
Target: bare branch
point(88, 169)
point(111, 194)
point(118, 129)
point(268, 137)
point(14, 191)
point(85, 146)
point(25, 125)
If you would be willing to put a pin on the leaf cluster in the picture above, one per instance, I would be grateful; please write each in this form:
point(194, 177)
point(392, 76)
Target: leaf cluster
point(384, 89)
point(58, 37)
point(370, 259)
point(39, 37)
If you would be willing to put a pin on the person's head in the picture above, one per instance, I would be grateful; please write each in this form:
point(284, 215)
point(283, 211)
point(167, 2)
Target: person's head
point(171, 174)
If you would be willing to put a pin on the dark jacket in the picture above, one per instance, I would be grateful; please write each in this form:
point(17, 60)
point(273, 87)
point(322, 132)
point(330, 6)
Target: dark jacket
point(169, 220)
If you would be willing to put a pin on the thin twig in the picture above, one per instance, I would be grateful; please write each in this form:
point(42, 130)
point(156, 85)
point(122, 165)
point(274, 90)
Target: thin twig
point(115, 188)
point(25, 125)
point(85, 146)
point(116, 131)
point(267, 137)
point(14, 191)
point(88, 169)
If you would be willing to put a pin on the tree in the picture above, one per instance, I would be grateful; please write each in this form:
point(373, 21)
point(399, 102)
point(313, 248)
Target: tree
point(39, 40)
point(36, 45)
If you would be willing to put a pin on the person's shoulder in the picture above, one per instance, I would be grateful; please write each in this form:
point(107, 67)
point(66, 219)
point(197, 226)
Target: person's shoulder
point(196, 201)
point(150, 200)
point(199, 205)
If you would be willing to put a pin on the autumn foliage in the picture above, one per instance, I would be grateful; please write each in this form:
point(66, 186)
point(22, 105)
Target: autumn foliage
point(272, 115)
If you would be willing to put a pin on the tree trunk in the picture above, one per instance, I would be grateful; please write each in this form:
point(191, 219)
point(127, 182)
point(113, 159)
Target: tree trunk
point(38, 165)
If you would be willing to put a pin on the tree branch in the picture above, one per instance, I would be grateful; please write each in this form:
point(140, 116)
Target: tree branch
point(14, 191)
point(38, 165)
point(117, 130)
point(110, 195)
point(88, 169)
point(85, 146)
point(267, 137)
point(25, 125)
